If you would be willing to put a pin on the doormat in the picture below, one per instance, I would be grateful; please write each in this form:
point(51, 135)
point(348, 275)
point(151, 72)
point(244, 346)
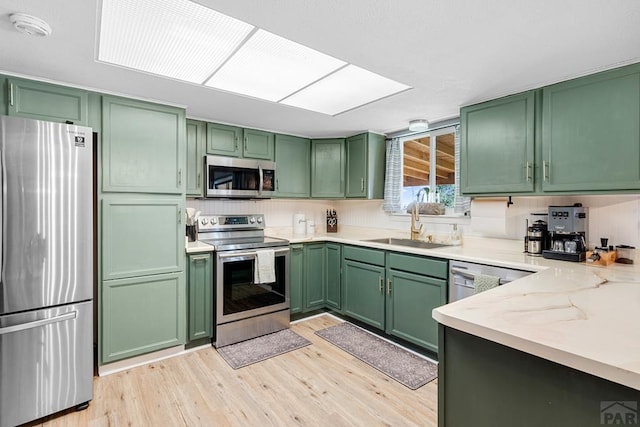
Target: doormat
point(262, 348)
point(401, 365)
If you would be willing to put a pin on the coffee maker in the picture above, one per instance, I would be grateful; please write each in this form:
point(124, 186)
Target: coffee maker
point(537, 237)
point(567, 233)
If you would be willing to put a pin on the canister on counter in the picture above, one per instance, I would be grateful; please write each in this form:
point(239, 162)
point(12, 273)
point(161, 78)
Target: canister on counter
point(625, 254)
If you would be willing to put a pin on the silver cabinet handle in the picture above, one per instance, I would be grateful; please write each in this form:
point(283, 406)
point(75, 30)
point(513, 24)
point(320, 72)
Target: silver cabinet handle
point(361, 184)
point(235, 139)
point(179, 216)
point(37, 323)
point(179, 176)
point(388, 286)
point(380, 285)
point(11, 94)
point(277, 185)
point(529, 171)
point(546, 171)
point(245, 143)
point(198, 180)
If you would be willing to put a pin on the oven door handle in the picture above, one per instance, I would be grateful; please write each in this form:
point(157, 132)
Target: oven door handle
point(466, 274)
point(233, 254)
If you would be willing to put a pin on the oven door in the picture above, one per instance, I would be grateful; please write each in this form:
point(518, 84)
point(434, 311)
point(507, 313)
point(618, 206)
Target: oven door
point(238, 297)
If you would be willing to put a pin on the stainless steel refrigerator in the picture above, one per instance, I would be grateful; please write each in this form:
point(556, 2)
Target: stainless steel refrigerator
point(46, 268)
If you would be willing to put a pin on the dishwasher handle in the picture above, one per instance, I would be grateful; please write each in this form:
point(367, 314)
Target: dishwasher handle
point(471, 276)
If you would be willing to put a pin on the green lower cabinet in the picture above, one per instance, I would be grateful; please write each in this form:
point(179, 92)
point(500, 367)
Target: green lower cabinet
point(44, 101)
point(296, 277)
point(200, 292)
point(334, 259)
point(410, 300)
point(364, 292)
point(314, 290)
point(140, 315)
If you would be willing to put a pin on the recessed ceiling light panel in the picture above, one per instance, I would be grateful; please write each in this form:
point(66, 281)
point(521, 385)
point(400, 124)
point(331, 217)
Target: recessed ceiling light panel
point(174, 38)
point(344, 90)
point(271, 67)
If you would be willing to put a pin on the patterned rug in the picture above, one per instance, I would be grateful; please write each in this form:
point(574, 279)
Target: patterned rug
point(401, 365)
point(258, 349)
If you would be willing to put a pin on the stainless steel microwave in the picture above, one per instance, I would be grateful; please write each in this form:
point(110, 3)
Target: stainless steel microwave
point(228, 177)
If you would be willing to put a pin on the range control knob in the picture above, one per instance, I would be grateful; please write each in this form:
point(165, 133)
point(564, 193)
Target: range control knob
point(213, 221)
point(252, 220)
point(203, 221)
point(259, 220)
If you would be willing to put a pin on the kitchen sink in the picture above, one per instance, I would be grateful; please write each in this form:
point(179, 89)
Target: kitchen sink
point(407, 242)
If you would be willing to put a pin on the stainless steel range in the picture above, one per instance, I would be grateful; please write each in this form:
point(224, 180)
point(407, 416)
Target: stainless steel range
point(247, 305)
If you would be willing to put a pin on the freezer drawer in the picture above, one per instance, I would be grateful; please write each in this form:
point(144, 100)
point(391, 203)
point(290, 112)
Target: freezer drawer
point(46, 362)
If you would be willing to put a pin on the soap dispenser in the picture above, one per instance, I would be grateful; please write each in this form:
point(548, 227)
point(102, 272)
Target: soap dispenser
point(456, 237)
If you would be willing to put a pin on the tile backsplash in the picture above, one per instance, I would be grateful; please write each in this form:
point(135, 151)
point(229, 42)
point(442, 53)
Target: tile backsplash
point(615, 217)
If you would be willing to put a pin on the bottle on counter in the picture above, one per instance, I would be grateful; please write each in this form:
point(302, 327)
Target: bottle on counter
point(456, 236)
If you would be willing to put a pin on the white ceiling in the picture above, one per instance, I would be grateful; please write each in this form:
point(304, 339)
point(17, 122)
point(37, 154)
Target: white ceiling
point(452, 52)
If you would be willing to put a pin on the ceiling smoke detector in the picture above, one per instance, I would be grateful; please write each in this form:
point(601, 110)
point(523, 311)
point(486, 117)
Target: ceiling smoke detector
point(30, 24)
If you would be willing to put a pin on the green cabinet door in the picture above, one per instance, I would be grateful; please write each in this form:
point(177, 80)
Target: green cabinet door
point(140, 315)
point(196, 145)
point(327, 168)
point(258, 144)
point(410, 300)
point(141, 235)
point(293, 158)
point(315, 277)
point(365, 166)
point(143, 147)
point(224, 140)
point(497, 146)
point(334, 259)
point(591, 132)
point(296, 277)
point(43, 101)
point(199, 289)
point(364, 292)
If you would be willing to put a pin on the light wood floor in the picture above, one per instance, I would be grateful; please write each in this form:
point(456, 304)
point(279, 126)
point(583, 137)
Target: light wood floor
point(313, 386)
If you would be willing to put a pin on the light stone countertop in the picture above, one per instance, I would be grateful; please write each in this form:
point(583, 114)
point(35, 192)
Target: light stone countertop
point(581, 316)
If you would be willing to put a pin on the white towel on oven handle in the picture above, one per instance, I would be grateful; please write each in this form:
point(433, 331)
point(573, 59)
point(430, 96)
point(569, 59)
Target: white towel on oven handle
point(265, 270)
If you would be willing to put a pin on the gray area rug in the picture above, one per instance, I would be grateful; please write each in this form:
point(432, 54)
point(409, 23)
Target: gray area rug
point(403, 366)
point(258, 349)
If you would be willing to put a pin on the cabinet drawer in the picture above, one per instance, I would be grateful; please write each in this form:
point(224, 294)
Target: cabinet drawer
point(369, 256)
point(418, 264)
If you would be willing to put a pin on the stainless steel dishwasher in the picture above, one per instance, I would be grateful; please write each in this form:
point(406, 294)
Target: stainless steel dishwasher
point(462, 275)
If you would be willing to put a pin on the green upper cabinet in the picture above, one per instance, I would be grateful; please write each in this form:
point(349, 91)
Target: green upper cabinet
point(196, 146)
point(43, 101)
point(591, 132)
point(327, 168)
point(293, 157)
point(141, 235)
point(497, 146)
point(314, 289)
point(143, 147)
point(233, 141)
point(200, 296)
point(365, 166)
point(296, 277)
point(258, 144)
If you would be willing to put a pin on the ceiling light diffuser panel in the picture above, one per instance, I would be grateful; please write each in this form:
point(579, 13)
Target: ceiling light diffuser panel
point(344, 90)
point(184, 40)
point(173, 38)
point(271, 67)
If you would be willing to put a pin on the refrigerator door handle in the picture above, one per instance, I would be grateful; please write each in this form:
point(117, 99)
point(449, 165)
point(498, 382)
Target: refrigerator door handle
point(38, 323)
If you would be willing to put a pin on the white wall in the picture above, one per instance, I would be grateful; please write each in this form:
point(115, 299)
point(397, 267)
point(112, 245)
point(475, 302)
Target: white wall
point(614, 217)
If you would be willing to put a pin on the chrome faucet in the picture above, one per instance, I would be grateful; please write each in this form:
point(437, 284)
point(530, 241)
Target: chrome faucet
point(415, 218)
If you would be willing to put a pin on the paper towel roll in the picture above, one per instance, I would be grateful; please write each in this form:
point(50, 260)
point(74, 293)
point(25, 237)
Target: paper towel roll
point(299, 224)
